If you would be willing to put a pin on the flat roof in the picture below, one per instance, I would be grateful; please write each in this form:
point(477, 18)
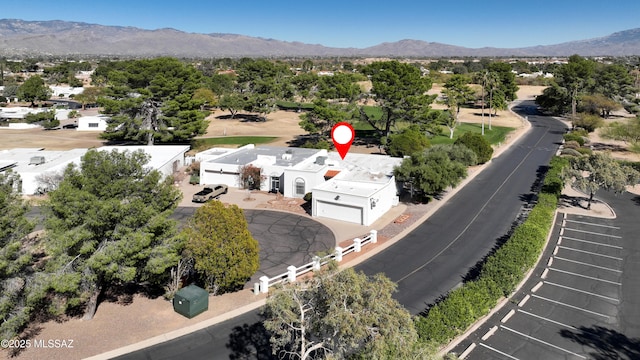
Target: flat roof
point(159, 154)
point(357, 188)
point(21, 157)
point(52, 159)
point(248, 155)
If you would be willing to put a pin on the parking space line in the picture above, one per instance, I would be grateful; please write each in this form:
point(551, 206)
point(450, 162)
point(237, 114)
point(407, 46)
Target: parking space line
point(581, 291)
point(592, 242)
point(587, 264)
point(585, 276)
point(498, 351)
point(544, 342)
point(593, 233)
point(546, 319)
point(570, 306)
point(590, 253)
point(593, 224)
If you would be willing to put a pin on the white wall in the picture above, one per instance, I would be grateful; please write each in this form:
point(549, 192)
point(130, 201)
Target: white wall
point(83, 123)
point(311, 179)
point(324, 203)
point(215, 173)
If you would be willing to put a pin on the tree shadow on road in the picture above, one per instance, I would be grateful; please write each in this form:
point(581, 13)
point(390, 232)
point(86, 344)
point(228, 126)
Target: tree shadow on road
point(250, 341)
point(606, 343)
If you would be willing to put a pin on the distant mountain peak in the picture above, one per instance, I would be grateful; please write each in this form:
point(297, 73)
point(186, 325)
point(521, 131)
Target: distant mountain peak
point(57, 37)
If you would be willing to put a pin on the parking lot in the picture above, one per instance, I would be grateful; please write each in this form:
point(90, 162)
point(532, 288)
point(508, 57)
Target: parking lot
point(573, 297)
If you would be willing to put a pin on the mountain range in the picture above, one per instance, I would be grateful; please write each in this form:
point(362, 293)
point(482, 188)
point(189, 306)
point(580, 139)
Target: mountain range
point(55, 37)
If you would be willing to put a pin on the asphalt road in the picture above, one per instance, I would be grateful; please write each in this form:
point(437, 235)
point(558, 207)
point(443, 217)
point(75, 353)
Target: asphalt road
point(583, 300)
point(435, 257)
point(430, 260)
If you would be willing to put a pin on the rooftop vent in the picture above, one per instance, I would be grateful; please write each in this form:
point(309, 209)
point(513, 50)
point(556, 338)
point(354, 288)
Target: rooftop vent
point(320, 160)
point(36, 160)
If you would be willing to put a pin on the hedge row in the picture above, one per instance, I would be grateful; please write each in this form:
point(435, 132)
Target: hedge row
point(501, 272)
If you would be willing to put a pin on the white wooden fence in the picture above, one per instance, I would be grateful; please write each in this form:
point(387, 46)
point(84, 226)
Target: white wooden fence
point(293, 272)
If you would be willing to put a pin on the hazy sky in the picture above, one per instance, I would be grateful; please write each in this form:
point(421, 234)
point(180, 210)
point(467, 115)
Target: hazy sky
point(360, 24)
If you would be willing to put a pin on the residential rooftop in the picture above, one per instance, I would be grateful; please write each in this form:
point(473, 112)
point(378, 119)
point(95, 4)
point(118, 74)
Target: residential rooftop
point(279, 156)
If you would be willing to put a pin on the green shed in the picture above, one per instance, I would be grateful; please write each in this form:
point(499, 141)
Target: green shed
point(191, 301)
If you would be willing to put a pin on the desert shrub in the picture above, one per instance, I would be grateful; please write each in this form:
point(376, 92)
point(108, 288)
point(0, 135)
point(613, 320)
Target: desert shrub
point(316, 144)
point(585, 151)
point(571, 152)
point(553, 182)
point(574, 136)
point(459, 153)
point(478, 144)
point(307, 197)
point(588, 122)
point(571, 144)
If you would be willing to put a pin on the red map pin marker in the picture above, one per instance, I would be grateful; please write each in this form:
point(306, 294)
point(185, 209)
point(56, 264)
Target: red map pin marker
point(342, 135)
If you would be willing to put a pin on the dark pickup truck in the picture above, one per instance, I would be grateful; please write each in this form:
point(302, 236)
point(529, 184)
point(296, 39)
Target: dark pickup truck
point(209, 192)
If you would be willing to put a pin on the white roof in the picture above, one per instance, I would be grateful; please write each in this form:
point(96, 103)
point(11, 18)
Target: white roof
point(356, 188)
point(160, 154)
point(53, 160)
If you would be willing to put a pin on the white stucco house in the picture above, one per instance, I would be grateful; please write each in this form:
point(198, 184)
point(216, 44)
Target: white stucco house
point(65, 91)
point(92, 123)
point(359, 189)
point(34, 163)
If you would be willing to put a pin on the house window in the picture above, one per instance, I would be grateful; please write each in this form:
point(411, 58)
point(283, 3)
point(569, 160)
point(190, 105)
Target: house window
point(300, 190)
point(93, 125)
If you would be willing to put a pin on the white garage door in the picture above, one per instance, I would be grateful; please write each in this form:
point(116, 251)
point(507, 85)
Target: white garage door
point(340, 212)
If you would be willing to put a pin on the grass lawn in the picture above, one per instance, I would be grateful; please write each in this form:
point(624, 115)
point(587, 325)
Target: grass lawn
point(494, 136)
point(207, 143)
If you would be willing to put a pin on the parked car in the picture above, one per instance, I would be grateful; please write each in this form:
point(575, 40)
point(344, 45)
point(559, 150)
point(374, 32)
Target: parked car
point(209, 192)
point(70, 126)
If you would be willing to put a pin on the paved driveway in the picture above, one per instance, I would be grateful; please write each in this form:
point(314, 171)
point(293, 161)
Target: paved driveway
point(285, 239)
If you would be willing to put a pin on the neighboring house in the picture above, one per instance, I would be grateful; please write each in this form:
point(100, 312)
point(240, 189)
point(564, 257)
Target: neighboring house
point(93, 123)
point(165, 158)
point(34, 164)
point(221, 166)
point(65, 91)
point(18, 112)
point(358, 189)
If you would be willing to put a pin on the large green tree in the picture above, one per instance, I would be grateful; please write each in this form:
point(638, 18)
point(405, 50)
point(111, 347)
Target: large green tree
point(400, 90)
point(16, 258)
point(591, 173)
point(430, 172)
point(225, 253)
point(456, 93)
point(34, 89)
point(407, 142)
point(108, 224)
point(319, 121)
point(262, 82)
point(152, 101)
point(340, 315)
point(505, 80)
